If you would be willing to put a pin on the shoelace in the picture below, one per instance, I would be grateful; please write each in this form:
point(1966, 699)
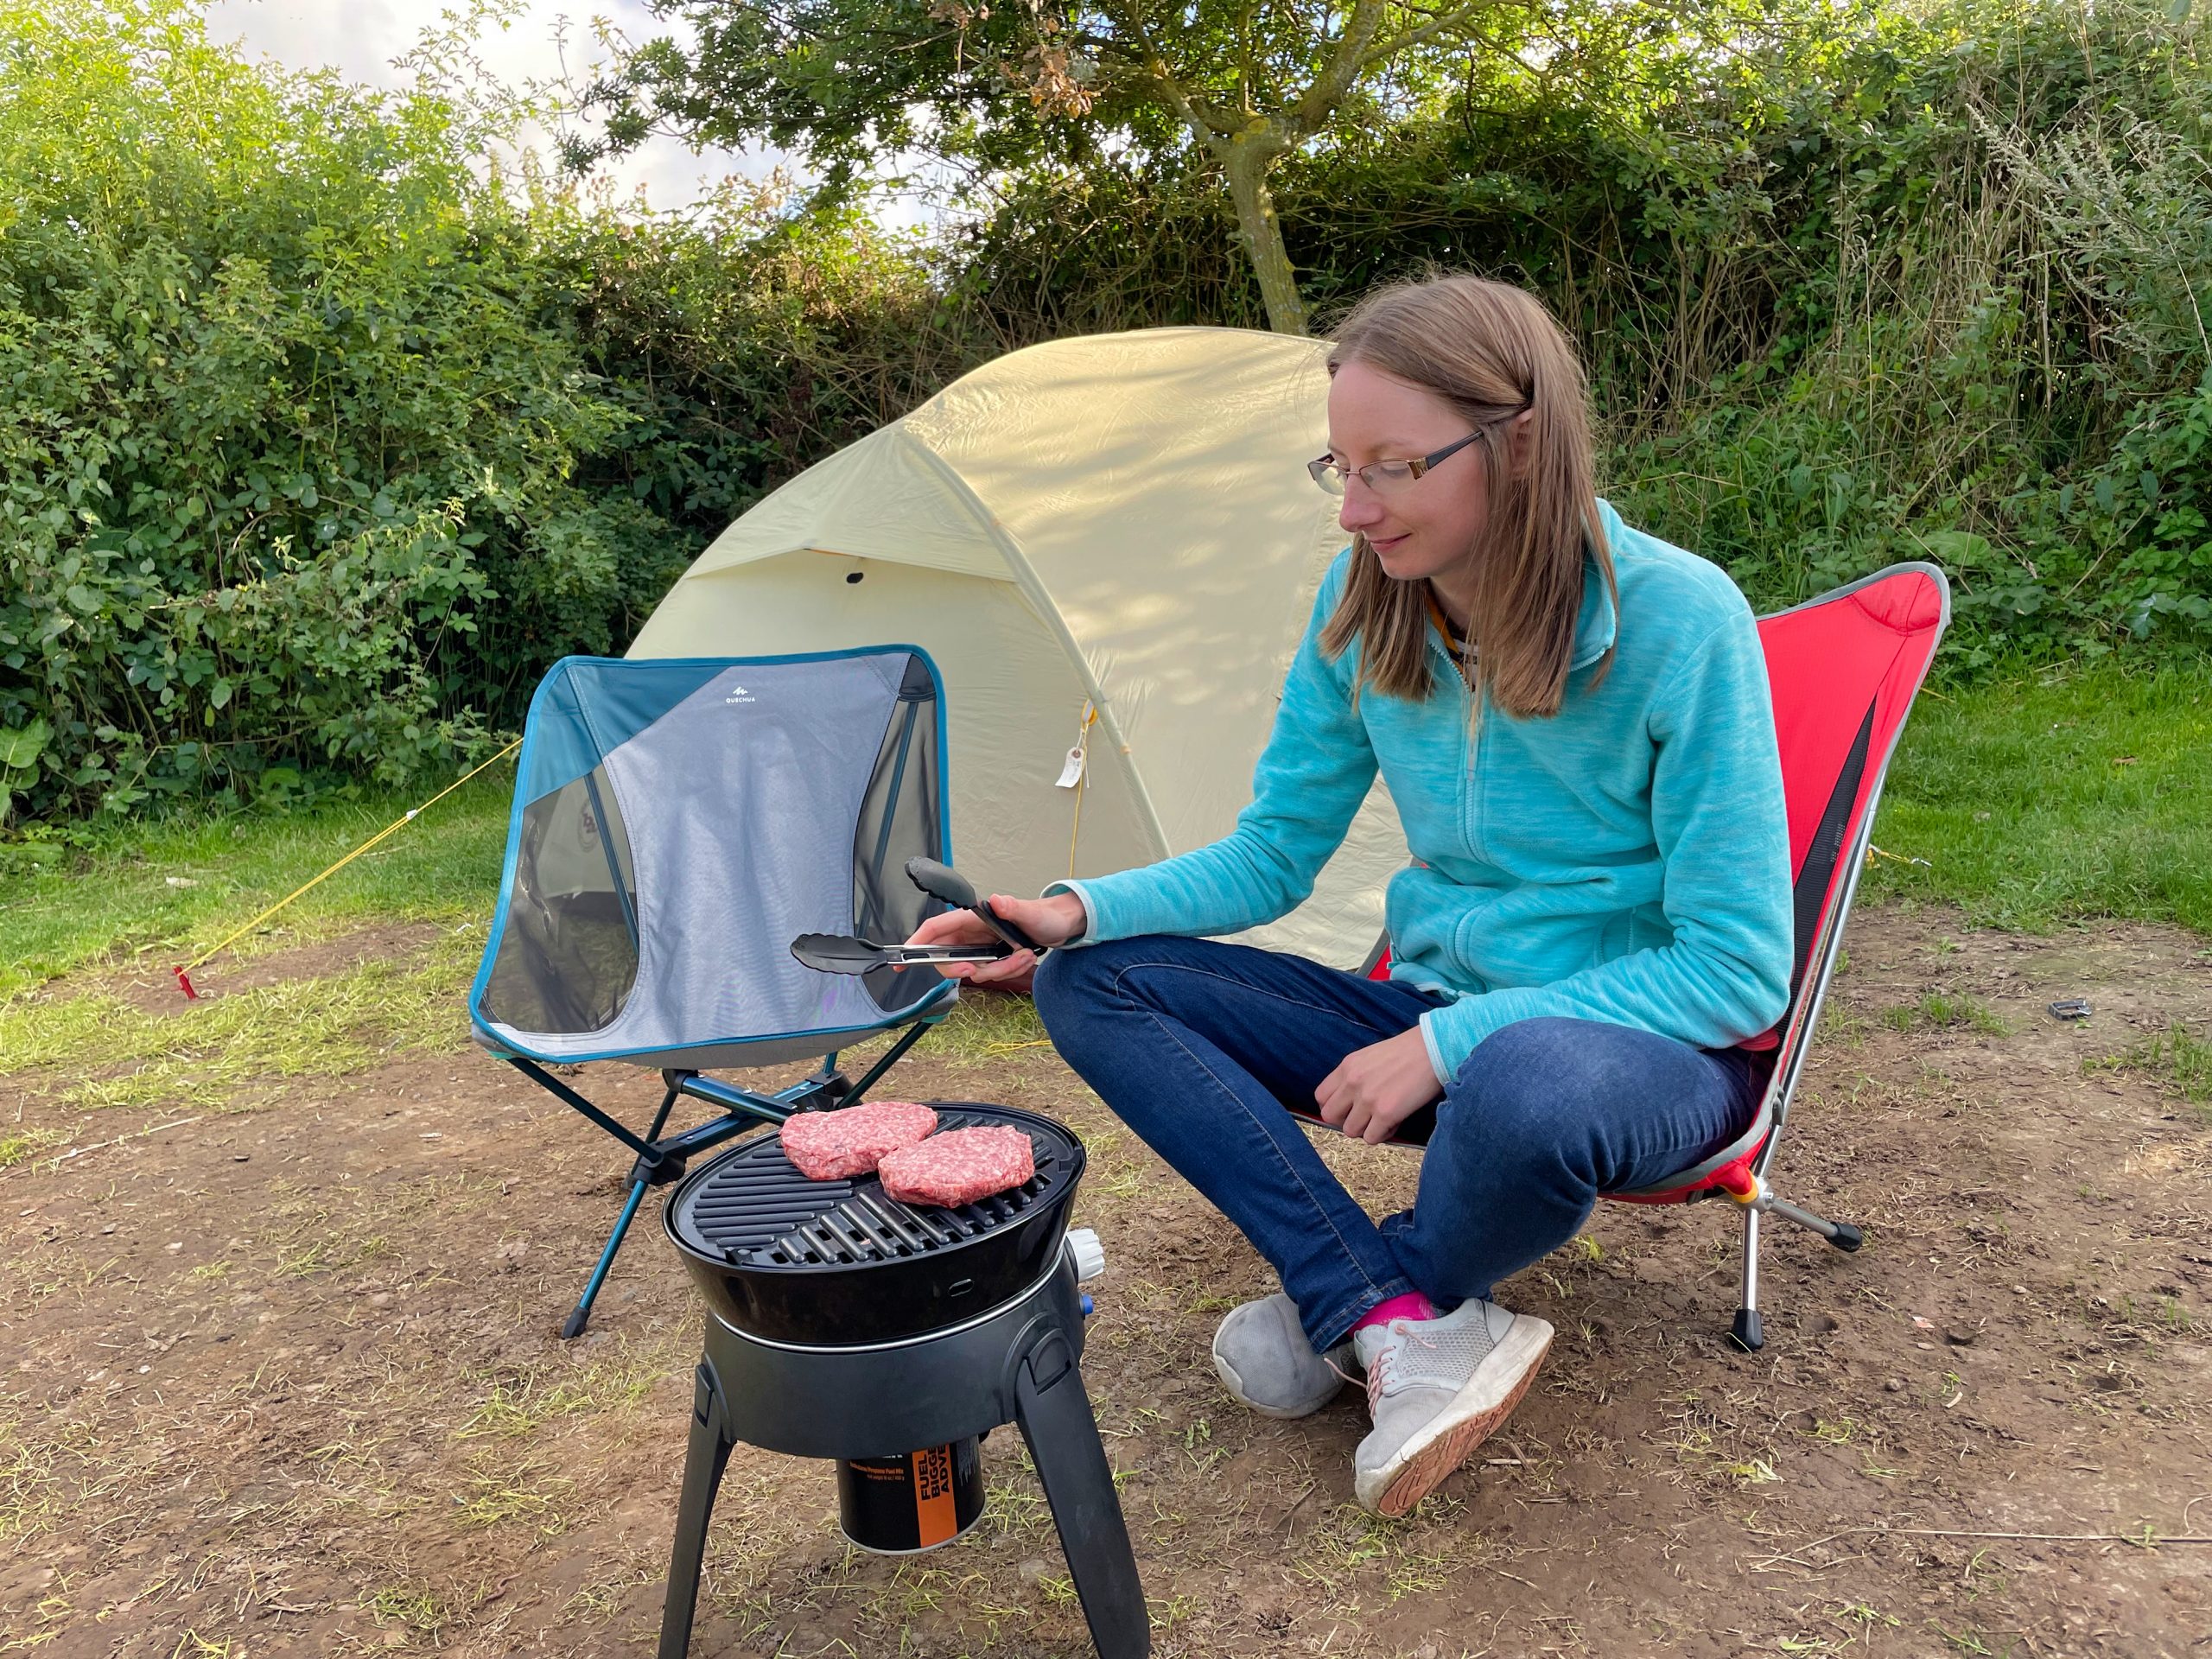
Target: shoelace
point(1381, 1376)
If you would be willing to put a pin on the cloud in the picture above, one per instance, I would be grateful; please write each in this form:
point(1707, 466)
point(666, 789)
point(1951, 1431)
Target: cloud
point(361, 38)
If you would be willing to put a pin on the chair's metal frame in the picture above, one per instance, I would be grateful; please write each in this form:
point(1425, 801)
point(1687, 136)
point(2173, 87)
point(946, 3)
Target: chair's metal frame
point(1739, 1170)
point(661, 1158)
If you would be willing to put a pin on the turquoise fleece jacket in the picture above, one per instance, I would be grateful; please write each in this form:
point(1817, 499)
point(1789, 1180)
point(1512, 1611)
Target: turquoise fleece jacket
point(1625, 860)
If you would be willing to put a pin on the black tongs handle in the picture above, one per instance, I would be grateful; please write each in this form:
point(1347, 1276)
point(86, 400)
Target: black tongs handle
point(943, 881)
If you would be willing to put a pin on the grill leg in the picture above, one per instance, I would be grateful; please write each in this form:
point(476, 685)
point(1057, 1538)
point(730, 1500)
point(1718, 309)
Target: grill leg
point(1062, 1436)
point(581, 1314)
point(703, 1462)
point(1748, 1333)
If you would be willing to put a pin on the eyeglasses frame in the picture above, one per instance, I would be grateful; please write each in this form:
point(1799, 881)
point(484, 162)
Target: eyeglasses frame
point(1325, 463)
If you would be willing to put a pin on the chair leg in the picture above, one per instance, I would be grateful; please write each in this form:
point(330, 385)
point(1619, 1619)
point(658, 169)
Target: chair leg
point(1748, 1334)
point(1842, 1234)
point(581, 1314)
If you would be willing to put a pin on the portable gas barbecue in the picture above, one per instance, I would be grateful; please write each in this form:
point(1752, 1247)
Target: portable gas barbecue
point(891, 1337)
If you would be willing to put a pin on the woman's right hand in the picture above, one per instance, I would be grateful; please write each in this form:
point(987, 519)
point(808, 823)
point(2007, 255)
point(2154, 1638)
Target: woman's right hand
point(1049, 921)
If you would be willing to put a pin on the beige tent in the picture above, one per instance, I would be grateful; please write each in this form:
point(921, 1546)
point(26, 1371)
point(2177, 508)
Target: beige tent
point(1120, 524)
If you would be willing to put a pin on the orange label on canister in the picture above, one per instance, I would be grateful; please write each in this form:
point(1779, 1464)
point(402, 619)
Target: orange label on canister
point(935, 1519)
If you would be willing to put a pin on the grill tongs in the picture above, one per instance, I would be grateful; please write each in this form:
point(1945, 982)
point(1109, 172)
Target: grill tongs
point(838, 953)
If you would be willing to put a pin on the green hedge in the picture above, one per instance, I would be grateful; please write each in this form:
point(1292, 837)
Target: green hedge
point(1889, 282)
point(320, 438)
point(287, 449)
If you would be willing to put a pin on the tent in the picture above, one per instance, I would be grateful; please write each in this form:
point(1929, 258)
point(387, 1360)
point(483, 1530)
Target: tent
point(1107, 543)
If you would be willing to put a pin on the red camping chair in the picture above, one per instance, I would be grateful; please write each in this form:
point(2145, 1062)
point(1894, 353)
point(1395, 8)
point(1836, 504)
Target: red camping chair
point(1844, 669)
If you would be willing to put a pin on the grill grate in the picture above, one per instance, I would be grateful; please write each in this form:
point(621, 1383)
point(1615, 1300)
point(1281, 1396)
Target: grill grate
point(755, 1211)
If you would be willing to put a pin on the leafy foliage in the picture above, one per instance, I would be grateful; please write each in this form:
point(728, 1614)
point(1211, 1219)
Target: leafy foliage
point(322, 435)
point(744, 343)
point(1017, 86)
point(1879, 285)
point(288, 449)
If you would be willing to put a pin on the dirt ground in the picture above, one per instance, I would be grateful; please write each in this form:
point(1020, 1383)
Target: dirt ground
point(286, 1380)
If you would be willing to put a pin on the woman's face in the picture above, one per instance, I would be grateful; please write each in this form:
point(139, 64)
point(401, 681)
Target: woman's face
point(1428, 526)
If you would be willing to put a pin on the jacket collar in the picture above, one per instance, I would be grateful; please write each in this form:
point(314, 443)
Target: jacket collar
point(1597, 623)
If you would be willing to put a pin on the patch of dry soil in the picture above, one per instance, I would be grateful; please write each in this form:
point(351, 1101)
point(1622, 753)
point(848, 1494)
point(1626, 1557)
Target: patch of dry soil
point(288, 1381)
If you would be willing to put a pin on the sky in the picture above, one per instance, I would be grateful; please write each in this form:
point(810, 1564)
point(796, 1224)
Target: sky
point(361, 38)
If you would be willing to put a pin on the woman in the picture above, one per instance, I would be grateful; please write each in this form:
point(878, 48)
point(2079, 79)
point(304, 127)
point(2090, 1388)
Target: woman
point(1573, 720)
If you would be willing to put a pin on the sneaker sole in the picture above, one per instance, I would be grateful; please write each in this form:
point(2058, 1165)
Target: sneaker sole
point(1429, 1458)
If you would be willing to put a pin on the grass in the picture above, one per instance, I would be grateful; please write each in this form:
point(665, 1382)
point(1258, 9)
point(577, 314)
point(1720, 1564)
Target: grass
point(112, 894)
point(986, 1025)
point(30, 1492)
point(2042, 798)
point(209, 1054)
point(2182, 1060)
point(501, 1491)
point(1945, 1011)
point(20, 1145)
point(409, 1606)
point(2033, 800)
point(520, 1406)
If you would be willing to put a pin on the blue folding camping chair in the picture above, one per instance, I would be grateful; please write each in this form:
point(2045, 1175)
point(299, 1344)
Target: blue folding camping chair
point(676, 823)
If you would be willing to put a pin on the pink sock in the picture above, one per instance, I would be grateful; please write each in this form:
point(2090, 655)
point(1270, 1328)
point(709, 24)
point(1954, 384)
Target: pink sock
point(1411, 1306)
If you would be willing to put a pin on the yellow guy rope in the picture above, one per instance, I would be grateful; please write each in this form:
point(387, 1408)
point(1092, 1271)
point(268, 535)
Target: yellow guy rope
point(1874, 852)
point(393, 827)
point(1082, 747)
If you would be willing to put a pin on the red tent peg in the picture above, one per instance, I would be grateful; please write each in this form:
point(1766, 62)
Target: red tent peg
point(184, 982)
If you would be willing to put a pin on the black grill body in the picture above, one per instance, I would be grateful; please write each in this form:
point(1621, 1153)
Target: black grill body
point(775, 1254)
point(802, 1289)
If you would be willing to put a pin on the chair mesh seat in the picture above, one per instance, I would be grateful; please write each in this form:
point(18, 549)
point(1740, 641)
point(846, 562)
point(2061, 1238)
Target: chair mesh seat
point(678, 823)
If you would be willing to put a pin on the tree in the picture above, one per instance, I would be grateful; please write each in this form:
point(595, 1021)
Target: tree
point(843, 82)
point(290, 449)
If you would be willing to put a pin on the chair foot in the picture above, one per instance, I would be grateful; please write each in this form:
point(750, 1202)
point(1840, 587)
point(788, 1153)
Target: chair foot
point(1748, 1333)
point(1842, 1234)
point(574, 1324)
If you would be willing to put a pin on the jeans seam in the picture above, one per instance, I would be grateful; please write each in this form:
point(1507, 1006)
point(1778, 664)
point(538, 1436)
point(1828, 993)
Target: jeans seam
point(1289, 1167)
point(1678, 1160)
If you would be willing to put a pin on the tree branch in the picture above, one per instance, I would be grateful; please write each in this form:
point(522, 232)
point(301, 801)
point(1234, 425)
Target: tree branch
point(1452, 18)
point(1339, 74)
point(1207, 123)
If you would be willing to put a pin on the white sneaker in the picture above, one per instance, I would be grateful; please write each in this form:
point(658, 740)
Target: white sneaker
point(1263, 1359)
point(1436, 1388)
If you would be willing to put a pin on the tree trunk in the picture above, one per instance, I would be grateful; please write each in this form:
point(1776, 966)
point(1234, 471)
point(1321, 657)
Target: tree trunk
point(1248, 158)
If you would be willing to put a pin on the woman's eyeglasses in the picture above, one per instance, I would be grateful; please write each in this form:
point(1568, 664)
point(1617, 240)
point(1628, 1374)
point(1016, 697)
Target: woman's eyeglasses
point(1394, 477)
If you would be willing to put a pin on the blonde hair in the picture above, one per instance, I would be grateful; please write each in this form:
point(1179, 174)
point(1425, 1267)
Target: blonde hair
point(1489, 350)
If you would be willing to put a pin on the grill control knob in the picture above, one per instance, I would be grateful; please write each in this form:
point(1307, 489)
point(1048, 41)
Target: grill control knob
point(1087, 1252)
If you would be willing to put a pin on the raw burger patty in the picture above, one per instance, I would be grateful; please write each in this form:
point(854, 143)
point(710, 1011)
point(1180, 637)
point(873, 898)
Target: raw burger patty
point(833, 1145)
point(959, 1166)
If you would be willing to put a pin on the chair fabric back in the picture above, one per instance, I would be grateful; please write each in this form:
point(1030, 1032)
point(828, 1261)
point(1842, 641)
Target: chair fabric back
point(677, 822)
point(1843, 669)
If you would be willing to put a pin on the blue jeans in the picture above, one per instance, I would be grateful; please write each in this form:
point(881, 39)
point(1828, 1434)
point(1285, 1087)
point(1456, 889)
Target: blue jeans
point(1200, 1047)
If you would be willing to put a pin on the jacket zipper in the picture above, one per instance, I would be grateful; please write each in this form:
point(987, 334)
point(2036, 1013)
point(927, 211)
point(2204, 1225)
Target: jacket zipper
point(1472, 747)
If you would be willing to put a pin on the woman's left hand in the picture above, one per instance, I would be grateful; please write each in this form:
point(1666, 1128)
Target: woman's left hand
point(1374, 1088)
